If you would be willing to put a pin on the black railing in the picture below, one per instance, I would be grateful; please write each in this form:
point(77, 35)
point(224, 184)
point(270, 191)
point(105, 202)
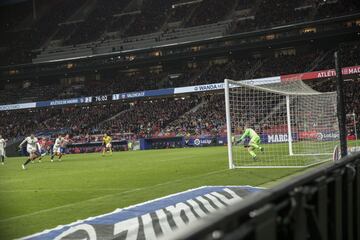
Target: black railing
point(322, 204)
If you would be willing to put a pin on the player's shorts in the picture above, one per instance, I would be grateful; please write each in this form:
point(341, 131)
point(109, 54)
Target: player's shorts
point(41, 152)
point(255, 140)
point(62, 150)
point(31, 150)
point(2, 152)
point(108, 145)
point(56, 149)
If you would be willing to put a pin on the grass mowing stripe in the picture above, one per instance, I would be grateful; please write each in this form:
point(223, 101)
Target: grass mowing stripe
point(63, 190)
point(108, 195)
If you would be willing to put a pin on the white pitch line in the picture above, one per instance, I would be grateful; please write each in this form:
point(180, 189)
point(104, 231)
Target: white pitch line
point(106, 196)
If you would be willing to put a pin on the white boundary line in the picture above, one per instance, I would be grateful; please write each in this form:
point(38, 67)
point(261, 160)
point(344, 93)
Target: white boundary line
point(296, 167)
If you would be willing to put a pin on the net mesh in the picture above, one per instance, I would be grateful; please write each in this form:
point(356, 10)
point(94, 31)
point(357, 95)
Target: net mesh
point(267, 109)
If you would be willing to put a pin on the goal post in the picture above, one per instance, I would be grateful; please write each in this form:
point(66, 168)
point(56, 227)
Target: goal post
point(295, 126)
point(228, 124)
point(288, 121)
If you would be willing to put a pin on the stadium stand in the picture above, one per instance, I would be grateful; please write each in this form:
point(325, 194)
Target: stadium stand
point(247, 67)
point(150, 118)
point(89, 67)
point(108, 26)
point(207, 119)
point(98, 27)
point(75, 120)
point(155, 118)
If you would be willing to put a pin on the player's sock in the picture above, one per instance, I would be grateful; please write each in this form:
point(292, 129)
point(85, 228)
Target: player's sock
point(110, 151)
point(52, 157)
point(103, 152)
point(2, 159)
point(27, 161)
point(60, 156)
point(252, 153)
point(255, 145)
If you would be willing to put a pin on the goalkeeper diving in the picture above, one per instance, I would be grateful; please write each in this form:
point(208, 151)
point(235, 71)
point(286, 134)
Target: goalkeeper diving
point(254, 143)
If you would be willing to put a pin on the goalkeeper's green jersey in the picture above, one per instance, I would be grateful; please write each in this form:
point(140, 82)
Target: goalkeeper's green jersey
point(249, 132)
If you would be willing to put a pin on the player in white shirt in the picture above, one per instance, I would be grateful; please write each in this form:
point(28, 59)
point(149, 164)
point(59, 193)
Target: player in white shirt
point(2, 149)
point(32, 147)
point(57, 148)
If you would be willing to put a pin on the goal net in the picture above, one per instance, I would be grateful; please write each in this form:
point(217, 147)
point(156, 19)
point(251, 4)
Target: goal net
point(289, 124)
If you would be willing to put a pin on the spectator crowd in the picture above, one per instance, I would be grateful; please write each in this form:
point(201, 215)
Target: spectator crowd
point(71, 23)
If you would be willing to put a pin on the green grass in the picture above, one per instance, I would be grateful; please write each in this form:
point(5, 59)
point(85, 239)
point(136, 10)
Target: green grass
point(49, 194)
point(278, 154)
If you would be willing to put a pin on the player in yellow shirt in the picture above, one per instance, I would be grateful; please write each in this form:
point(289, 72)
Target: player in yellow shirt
point(106, 144)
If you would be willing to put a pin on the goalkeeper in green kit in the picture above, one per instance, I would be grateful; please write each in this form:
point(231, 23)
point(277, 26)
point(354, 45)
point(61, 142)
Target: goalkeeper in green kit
point(254, 141)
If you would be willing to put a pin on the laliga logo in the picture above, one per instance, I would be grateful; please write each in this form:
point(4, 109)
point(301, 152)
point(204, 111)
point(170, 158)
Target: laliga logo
point(197, 142)
point(320, 136)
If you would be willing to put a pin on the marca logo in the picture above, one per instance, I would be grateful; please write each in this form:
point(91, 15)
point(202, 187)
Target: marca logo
point(154, 219)
point(277, 138)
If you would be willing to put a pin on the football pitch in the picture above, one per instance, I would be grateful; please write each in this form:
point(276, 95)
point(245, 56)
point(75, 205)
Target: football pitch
point(48, 194)
point(278, 155)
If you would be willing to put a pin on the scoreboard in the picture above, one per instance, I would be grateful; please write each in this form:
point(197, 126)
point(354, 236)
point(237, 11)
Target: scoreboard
point(102, 98)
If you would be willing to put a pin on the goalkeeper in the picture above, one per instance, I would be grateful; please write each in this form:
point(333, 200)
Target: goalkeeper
point(254, 141)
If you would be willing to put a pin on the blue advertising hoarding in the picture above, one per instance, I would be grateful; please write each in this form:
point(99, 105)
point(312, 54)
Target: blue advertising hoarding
point(61, 102)
point(132, 95)
point(140, 94)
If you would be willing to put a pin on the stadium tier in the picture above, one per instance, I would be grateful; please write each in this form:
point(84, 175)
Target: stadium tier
point(83, 28)
point(274, 63)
